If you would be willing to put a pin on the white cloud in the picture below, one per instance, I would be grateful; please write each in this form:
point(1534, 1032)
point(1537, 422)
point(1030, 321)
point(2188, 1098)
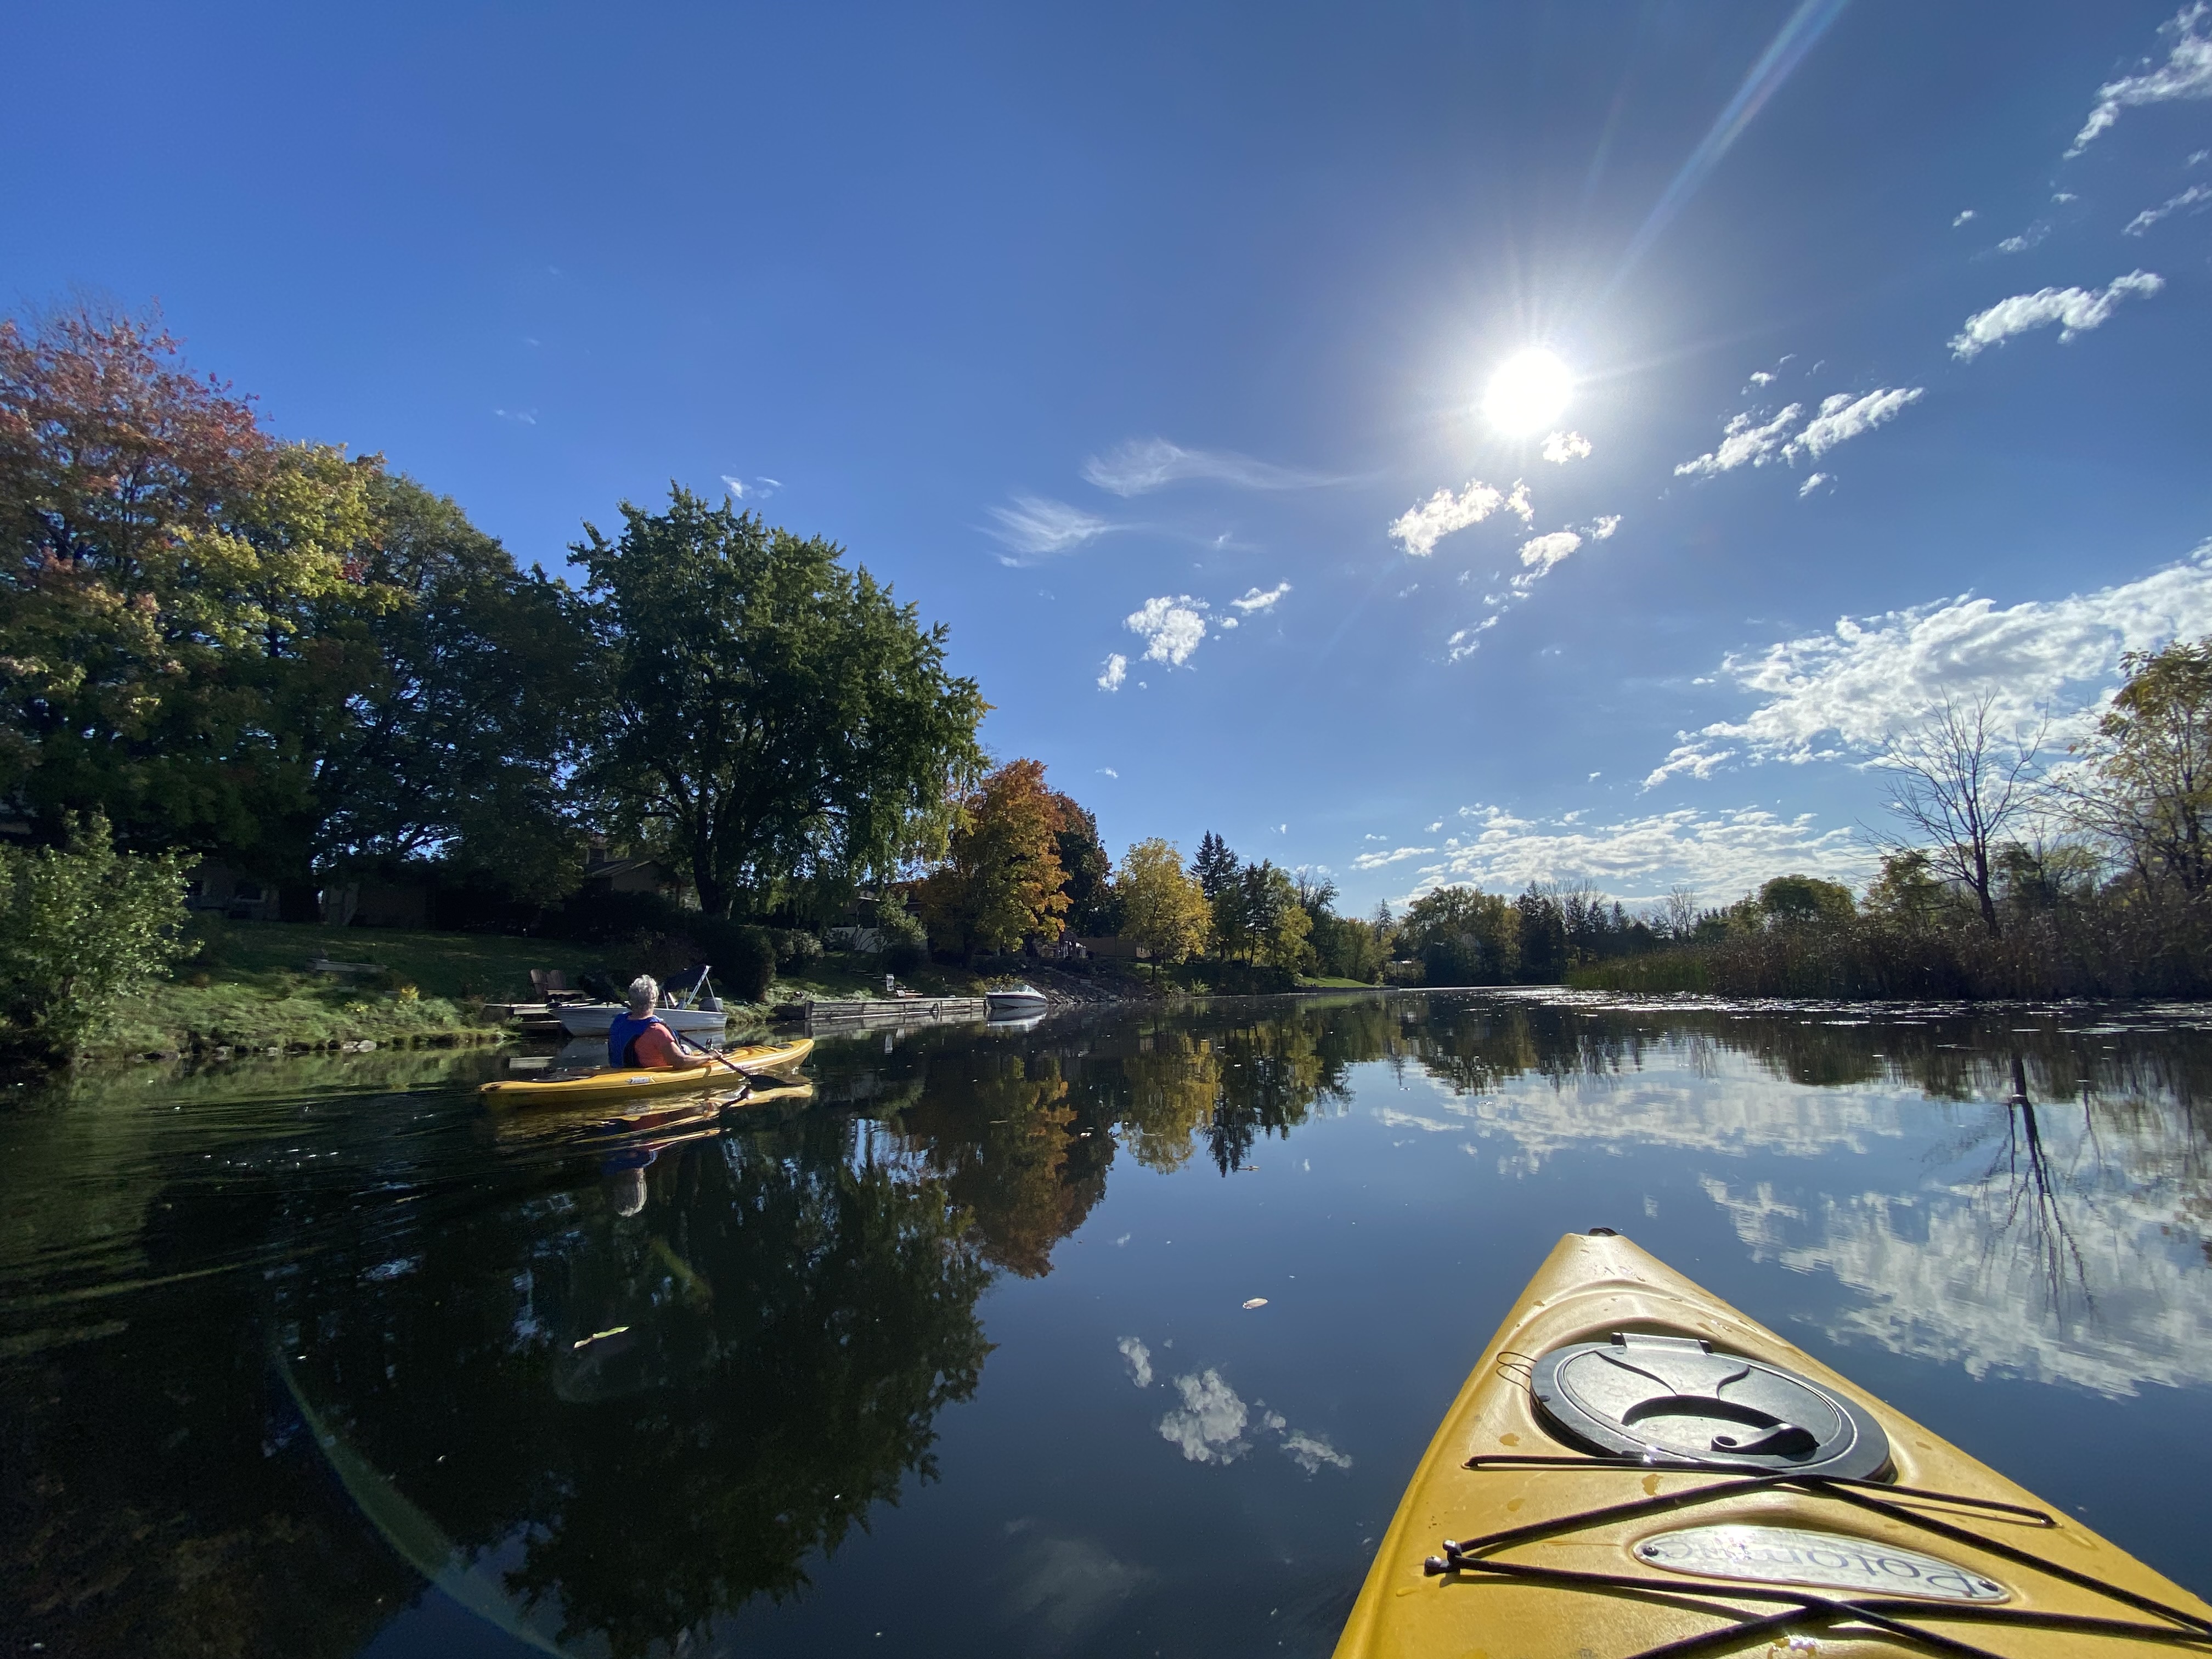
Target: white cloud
point(1037, 527)
point(1519, 502)
point(1462, 644)
point(1117, 670)
point(2149, 217)
point(1839, 695)
point(1564, 447)
point(1967, 217)
point(1257, 600)
point(1540, 553)
point(2078, 309)
point(1310, 1451)
point(1139, 1360)
point(1378, 860)
point(1172, 628)
point(751, 489)
point(1420, 528)
point(1108, 772)
point(1844, 416)
point(525, 416)
point(1813, 484)
point(2186, 73)
point(1741, 441)
point(1144, 465)
point(1726, 852)
point(1210, 1426)
point(2026, 239)
point(1603, 527)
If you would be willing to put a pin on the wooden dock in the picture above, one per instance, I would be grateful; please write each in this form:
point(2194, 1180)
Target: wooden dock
point(883, 1011)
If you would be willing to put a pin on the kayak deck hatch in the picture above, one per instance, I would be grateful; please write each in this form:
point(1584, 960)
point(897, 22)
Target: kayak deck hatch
point(1635, 1469)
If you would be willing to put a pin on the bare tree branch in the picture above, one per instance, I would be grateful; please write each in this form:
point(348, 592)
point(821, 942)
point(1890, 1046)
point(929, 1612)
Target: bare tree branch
point(1957, 785)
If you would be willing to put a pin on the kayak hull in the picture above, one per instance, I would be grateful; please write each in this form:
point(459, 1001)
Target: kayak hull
point(1592, 1287)
point(628, 1083)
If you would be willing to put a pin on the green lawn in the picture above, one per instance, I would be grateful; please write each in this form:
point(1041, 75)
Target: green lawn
point(246, 984)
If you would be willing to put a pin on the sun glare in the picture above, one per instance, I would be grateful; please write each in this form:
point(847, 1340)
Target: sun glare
point(1527, 393)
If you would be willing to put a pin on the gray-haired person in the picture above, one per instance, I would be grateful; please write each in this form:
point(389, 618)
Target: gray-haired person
point(640, 1037)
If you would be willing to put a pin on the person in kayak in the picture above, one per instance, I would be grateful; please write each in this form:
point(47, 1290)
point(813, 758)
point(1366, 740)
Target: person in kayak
point(639, 1038)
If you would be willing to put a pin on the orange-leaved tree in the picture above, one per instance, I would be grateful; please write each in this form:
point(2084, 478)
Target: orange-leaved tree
point(1001, 881)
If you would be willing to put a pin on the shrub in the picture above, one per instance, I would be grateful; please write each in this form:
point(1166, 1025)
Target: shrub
point(905, 943)
point(746, 961)
point(81, 927)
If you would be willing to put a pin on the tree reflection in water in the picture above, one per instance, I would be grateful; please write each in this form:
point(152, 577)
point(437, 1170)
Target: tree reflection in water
point(647, 1420)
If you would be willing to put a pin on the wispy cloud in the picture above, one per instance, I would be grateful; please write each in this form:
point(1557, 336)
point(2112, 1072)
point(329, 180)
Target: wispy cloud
point(1747, 440)
point(522, 417)
point(1419, 529)
point(1172, 628)
point(1564, 447)
point(1840, 696)
point(1965, 218)
point(1144, 465)
point(2186, 73)
point(1601, 527)
point(2076, 309)
point(1257, 600)
point(2025, 239)
point(1744, 440)
point(1842, 417)
point(1814, 483)
point(751, 489)
point(1718, 853)
point(1540, 553)
point(1378, 860)
point(2149, 217)
point(1037, 527)
point(1116, 670)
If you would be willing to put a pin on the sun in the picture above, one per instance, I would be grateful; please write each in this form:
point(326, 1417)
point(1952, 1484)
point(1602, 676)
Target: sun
point(1527, 393)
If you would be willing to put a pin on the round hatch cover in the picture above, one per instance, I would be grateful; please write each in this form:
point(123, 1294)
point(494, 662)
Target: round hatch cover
point(1674, 1397)
point(1791, 1555)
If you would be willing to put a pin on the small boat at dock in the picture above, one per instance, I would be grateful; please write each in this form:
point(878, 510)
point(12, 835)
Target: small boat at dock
point(1016, 1001)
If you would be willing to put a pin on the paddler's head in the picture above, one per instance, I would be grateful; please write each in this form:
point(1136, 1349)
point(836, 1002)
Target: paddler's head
point(644, 994)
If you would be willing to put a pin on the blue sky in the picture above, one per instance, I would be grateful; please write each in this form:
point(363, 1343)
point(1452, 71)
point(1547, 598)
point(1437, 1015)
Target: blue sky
point(1081, 327)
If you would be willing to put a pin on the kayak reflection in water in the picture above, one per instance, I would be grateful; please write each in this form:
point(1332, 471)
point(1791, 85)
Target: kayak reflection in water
point(639, 1038)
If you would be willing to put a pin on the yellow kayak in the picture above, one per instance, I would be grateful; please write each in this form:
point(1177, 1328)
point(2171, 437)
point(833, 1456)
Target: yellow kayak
point(663, 1123)
point(610, 1083)
point(1635, 1470)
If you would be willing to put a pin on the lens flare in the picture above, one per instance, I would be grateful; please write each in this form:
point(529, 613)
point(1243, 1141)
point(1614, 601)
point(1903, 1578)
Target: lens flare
point(1527, 393)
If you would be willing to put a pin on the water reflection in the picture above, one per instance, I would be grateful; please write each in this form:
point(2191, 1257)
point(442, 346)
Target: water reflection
point(621, 1387)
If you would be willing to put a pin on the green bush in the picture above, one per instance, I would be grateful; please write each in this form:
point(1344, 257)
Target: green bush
point(747, 963)
point(81, 927)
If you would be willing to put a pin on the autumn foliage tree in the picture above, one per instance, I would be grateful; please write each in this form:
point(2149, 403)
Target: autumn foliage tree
point(166, 567)
point(1163, 908)
point(1001, 881)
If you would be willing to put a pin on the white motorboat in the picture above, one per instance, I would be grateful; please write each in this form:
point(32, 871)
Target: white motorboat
point(598, 1019)
point(1013, 1003)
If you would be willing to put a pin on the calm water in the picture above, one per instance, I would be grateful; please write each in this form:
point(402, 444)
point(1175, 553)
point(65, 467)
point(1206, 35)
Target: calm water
point(956, 1359)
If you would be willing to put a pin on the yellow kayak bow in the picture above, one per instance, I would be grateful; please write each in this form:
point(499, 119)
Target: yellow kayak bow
point(1635, 1469)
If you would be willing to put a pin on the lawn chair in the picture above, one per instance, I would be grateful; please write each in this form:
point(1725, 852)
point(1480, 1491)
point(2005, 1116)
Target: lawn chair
point(552, 986)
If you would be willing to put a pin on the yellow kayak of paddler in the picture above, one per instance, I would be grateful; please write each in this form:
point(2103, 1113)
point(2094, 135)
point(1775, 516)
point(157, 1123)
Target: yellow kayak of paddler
point(1635, 1469)
point(723, 1069)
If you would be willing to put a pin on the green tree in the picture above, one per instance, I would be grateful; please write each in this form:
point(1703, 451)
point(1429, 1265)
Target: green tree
point(1215, 867)
point(80, 927)
point(1091, 911)
point(772, 715)
point(2150, 792)
point(1163, 908)
point(1001, 881)
point(170, 574)
point(460, 732)
point(1806, 901)
point(1463, 936)
point(1278, 926)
